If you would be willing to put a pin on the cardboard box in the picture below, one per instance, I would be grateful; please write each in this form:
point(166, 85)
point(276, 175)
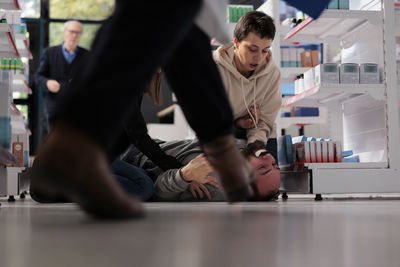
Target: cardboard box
point(314, 58)
point(306, 60)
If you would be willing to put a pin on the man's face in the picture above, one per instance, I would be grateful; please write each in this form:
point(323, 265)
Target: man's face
point(72, 35)
point(268, 176)
point(251, 50)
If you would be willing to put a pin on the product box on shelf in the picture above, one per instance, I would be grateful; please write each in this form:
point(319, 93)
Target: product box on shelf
point(309, 79)
point(344, 4)
point(5, 132)
point(349, 73)
point(235, 12)
point(306, 60)
point(326, 73)
point(334, 4)
point(20, 148)
point(306, 112)
point(369, 73)
point(285, 57)
point(310, 58)
point(298, 56)
point(292, 57)
point(299, 86)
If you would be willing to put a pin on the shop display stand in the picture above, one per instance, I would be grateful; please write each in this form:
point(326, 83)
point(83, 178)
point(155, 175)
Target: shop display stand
point(341, 26)
point(13, 180)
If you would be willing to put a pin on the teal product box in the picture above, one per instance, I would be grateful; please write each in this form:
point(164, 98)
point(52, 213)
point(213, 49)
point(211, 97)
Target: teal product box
point(347, 153)
point(285, 152)
point(5, 132)
point(334, 4)
point(354, 158)
point(344, 4)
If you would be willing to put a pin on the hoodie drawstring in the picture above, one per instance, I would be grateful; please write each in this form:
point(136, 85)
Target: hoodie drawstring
point(245, 103)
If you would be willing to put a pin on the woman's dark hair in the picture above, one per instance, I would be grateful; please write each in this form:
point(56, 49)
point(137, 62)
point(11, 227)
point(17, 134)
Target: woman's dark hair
point(256, 22)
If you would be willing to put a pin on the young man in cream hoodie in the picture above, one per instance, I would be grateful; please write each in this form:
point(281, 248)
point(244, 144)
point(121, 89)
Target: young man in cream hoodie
point(251, 78)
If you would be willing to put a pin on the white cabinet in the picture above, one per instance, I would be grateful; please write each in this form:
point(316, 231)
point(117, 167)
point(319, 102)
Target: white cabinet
point(364, 117)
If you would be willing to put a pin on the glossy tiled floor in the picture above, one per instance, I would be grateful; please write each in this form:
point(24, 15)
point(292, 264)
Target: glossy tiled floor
point(298, 232)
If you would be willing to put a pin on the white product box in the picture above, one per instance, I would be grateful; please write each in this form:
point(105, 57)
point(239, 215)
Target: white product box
point(285, 57)
point(327, 73)
point(324, 145)
point(349, 73)
point(309, 79)
point(318, 150)
point(307, 151)
point(331, 152)
point(398, 52)
point(369, 73)
point(313, 152)
point(292, 57)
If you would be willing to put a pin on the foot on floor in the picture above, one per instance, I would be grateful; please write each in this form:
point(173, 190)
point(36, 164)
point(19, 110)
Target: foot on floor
point(71, 166)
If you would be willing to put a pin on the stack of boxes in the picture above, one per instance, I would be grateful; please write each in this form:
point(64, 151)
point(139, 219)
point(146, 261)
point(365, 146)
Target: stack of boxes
point(333, 73)
point(292, 57)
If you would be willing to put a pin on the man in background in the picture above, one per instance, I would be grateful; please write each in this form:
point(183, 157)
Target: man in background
point(58, 67)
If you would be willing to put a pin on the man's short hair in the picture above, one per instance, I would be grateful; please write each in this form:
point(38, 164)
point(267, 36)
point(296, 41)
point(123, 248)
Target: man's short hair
point(256, 22)
point(69, 21)
point(252, 148)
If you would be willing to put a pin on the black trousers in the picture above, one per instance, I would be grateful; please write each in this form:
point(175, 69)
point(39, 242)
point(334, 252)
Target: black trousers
point(126, 52)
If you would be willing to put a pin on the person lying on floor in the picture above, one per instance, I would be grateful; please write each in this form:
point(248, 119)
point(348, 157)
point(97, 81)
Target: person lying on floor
point(196, 180)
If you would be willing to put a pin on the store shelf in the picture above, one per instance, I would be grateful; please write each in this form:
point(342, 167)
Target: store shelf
point(347, 165)
point(289, 74)
point(286, 122)
point(10, 4)
point(23, 46)
point(323, 93)
point(21, 86)
point(8, 48)
point(333, 25)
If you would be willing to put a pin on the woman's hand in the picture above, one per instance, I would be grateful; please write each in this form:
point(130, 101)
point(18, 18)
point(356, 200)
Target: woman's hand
point(246, 122)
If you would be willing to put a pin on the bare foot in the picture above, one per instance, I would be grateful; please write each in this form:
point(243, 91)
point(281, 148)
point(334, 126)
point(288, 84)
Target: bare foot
point(72, 166)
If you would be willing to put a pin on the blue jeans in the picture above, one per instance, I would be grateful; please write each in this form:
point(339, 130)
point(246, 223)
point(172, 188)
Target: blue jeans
point(134, 180)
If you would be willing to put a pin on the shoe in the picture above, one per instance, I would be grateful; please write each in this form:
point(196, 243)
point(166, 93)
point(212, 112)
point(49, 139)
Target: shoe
point(71, 166)
point(234, 172)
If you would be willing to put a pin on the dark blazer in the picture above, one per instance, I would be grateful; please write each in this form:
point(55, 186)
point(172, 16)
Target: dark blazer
point(53, 66)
